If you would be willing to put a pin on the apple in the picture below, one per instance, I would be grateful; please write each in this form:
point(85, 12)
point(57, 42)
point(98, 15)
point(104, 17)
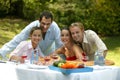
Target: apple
point(80, 66)
point(60, 64)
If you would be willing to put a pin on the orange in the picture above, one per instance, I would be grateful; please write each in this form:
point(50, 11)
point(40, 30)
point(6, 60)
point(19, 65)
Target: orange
point(63, 66)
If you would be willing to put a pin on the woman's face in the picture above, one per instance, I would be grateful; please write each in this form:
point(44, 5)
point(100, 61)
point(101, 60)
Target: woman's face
point(65, 36)
point(36, 37)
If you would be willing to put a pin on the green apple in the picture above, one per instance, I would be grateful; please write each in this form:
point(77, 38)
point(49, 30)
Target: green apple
point(60, 64)
point(56, 63)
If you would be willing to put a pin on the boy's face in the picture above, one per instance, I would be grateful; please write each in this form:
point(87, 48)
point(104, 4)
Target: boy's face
point(77, 34)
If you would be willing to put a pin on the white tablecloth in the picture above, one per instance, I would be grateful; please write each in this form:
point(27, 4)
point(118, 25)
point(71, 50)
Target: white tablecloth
point(8, 71)
point(99, 73)
point(22, 72)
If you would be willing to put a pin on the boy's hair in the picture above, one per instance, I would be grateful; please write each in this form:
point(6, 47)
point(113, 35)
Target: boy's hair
point(77, 24)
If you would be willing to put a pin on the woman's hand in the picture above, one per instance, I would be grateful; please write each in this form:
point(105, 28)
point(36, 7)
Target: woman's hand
point(21, 60)
point(17, 59)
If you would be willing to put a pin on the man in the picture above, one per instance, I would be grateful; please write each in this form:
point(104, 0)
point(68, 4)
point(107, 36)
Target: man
point(88, 40)
point(50, 32)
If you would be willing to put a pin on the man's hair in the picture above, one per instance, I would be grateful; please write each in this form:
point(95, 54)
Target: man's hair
point(47, 15)
point(77, 24)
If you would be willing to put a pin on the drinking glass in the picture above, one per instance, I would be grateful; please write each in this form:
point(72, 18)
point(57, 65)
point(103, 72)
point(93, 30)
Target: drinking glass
point(24, 57)
point(47, 59)
point(86, 58)
point(54, 57)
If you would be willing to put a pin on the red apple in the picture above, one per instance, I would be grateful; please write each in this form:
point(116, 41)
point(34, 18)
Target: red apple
point(80, 66)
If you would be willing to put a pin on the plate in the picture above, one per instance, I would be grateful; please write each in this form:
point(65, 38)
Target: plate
point(69, 71)
point(33, 66)
point(2, 61)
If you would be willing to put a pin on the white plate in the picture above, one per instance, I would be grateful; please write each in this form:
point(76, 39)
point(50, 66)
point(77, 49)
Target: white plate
point(33, 66)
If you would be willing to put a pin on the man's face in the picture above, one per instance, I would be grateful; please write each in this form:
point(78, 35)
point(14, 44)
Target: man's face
point(77, 34)
point(45, 24)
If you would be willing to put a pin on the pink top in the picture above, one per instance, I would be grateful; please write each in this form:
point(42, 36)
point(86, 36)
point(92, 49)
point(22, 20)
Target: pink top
point(25, 47)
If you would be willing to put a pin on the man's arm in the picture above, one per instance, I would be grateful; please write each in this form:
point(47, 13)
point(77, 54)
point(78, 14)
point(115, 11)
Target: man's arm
point(99, 43)
point(105, 53)
point(58, 42)
point(23, 35)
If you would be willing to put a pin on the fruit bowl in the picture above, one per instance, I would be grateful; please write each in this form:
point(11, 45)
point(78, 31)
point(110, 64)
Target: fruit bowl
point(69, 71)
point(68, 67)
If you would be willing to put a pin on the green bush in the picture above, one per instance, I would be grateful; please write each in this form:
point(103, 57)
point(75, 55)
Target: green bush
point(102, 16)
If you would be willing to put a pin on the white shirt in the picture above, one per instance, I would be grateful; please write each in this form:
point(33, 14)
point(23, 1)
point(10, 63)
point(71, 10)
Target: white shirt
point(91, 43)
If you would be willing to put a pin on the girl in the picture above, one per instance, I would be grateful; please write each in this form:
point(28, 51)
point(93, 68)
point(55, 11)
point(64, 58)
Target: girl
point(25, 48)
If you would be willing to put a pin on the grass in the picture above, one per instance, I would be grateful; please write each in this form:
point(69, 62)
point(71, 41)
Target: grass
point(10, 27)
point(113, 44)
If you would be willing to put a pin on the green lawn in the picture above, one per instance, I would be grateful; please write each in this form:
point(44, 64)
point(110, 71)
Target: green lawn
point(113, 44)
point(10, 27)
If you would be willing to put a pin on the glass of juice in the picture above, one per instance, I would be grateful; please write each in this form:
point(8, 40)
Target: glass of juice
point(47, 59)
point(54, 57)
point(24, 57)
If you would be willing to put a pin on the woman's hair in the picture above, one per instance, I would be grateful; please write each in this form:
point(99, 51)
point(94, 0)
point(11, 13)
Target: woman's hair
point(65, 28)
point(33, 29)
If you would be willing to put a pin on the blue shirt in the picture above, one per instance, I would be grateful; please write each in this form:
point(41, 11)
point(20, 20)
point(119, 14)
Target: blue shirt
point(51, 42)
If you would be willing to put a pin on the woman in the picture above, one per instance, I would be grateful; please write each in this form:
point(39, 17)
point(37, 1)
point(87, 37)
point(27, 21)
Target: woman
point(25, 49)
point(70, 49)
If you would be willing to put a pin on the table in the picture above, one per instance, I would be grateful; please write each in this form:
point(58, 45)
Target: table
point(99, 73)
point(10, 71)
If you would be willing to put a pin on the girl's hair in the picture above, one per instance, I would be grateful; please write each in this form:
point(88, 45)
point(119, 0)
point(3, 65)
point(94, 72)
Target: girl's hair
point(33, 29)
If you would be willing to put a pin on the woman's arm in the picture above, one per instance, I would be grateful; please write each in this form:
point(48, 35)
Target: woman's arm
point(18, 51)
point(78, 52)
point(16, 58)
point(60, 50)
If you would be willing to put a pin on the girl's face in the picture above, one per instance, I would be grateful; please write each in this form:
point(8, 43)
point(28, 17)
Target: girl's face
point(65, 36)
point(36, 37)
